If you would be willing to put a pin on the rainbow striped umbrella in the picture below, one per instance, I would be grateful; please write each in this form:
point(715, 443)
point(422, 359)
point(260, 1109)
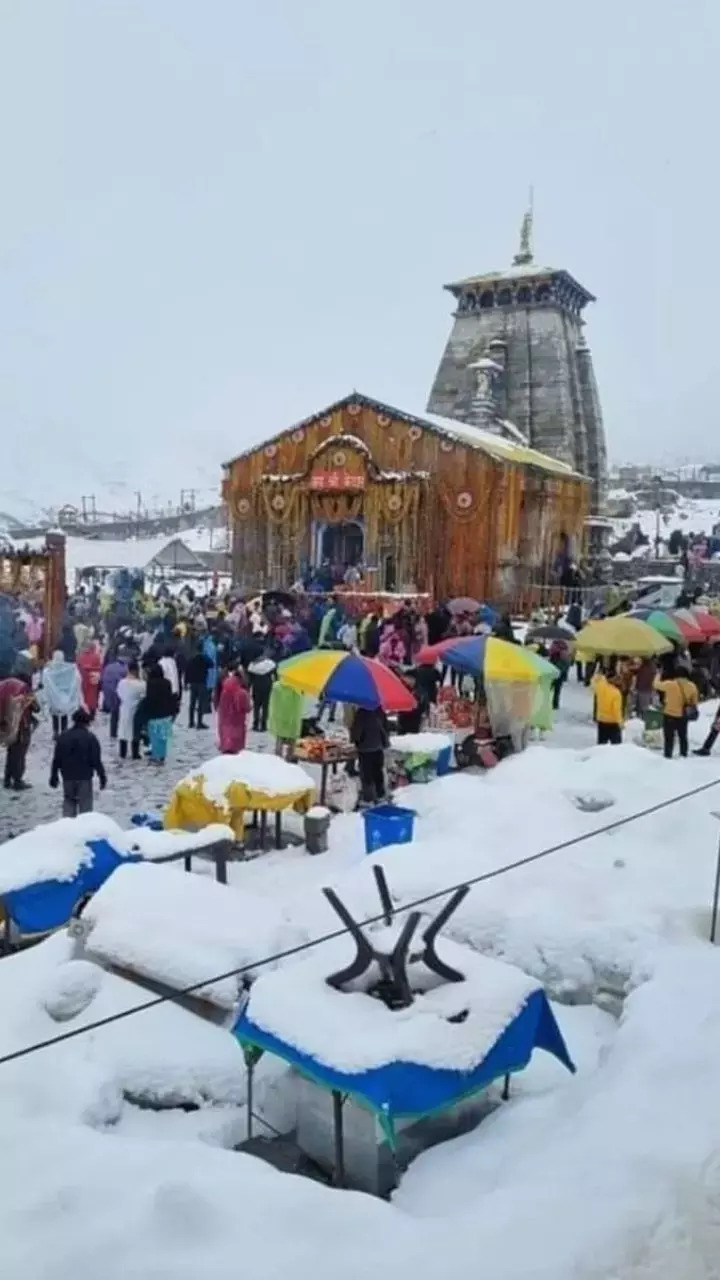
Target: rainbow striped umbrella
point(489, 657)
point(346, 677)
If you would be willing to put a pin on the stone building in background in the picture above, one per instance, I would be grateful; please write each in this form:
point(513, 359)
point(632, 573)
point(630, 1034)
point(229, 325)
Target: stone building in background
point(517, 364)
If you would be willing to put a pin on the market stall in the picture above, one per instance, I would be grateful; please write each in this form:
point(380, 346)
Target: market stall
point(418, 757)
point(507, 677)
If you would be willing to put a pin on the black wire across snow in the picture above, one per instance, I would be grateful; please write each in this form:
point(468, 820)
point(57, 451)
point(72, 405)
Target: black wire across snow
point(339, 933)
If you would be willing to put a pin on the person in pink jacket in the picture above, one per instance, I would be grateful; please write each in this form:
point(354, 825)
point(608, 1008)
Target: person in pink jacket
point(89, 664)
point(232, 713)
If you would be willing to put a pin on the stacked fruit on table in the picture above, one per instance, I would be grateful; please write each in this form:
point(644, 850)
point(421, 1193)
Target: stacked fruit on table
point(318, 749)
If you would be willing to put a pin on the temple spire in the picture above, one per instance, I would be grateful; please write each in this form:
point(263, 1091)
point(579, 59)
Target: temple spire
point(525, 255)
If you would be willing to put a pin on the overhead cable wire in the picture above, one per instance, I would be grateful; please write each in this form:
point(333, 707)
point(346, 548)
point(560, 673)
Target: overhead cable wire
point(289, 952)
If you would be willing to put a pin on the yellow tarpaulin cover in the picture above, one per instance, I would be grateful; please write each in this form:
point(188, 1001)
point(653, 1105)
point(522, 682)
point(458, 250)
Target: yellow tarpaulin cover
point(190, 808)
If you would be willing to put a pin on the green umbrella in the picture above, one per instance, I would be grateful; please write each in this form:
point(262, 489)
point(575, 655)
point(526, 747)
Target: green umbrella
point(661, 622)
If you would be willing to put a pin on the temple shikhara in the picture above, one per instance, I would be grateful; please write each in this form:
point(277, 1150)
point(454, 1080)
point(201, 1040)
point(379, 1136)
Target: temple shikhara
point(486, 493)
point(517, 363)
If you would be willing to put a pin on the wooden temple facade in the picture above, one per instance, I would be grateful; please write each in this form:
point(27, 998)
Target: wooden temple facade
point(418, 504)
point(36, 579)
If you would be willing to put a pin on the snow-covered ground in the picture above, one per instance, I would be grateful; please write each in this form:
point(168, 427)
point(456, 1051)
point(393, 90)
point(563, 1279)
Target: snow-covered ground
point(691, 515)
point(613, 1173)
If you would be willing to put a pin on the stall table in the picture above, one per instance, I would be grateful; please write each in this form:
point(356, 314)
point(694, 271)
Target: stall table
point(328, 753)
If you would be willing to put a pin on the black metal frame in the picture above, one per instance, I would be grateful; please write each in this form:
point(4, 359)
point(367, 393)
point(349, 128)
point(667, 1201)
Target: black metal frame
point(393, 987)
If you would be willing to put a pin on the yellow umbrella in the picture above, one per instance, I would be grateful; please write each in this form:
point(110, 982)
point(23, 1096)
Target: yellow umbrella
point(629, 637)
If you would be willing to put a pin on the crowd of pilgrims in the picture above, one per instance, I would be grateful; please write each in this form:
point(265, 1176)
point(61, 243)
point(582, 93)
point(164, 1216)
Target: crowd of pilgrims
point(223, 653)
point(210, 653)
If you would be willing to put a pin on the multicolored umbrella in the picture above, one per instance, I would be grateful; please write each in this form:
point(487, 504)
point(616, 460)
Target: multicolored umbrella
point(660, 621)
point(488, 657)
point(708, 623)
point(690, 629)
point(346, 677)
point(623, 635)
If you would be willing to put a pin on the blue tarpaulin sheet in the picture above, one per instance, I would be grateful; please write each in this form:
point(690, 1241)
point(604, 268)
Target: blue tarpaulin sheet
point(49, 904)
point(410, 1089)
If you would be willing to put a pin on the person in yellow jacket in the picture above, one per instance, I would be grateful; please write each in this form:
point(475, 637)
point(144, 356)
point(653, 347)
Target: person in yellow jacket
point(608, 709)
point(679, 695)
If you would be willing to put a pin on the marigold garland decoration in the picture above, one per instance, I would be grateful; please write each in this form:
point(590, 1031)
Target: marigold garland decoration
point(414, 433)
point(383, 420)
point(459, 506)
point(279, 506)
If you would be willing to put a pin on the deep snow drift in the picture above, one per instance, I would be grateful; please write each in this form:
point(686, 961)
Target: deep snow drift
point(613, 1174)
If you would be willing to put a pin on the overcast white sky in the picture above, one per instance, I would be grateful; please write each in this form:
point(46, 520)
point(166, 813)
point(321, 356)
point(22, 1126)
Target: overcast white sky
point(218, 215)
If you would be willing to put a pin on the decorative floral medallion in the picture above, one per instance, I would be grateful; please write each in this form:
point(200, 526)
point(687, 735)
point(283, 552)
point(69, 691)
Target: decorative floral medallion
point(270, 450)
point(383, 420)
point(415, 433)
point(278, 502)
point(298, 436)
point(326, 421)
point(394, 502)
point(464, 500)
point(339, 458)
point(447, 446)
point(243, 506)
point(354, 409)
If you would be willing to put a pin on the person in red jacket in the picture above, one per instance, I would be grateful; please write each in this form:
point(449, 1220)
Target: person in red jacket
point(232, 713)
point(89, 663)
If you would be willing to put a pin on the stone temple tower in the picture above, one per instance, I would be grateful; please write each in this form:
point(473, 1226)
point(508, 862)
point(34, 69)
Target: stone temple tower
point(517, 363)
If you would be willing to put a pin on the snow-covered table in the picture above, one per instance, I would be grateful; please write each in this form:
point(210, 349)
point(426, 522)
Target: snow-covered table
point(214, 841)
point(401, 1064)
point(227, 788)
point(183, 931)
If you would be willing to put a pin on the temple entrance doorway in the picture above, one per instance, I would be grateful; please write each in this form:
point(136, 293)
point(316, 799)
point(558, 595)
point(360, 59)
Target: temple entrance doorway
point(340, 544)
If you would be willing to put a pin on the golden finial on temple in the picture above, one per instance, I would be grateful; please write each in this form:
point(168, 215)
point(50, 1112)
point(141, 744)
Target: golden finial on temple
point(525, 256)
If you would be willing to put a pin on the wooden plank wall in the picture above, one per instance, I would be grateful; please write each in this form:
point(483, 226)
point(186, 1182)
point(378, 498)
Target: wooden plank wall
point(450, 533)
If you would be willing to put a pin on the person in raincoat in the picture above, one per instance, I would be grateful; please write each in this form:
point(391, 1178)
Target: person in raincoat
point(608, 709)
point(63, 692)
point(90, 666)
point(113, 672)
point(130, 693)
point(285, 717)
point(232, 713)
point(210, 649)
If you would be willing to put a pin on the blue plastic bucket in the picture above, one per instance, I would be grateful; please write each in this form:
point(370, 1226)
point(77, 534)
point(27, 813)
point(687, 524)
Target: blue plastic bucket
point(387, 824)
point(444, 761)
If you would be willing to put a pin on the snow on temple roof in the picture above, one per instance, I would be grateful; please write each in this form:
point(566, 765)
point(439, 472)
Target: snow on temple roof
point(500, 448)
point(489, 442)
